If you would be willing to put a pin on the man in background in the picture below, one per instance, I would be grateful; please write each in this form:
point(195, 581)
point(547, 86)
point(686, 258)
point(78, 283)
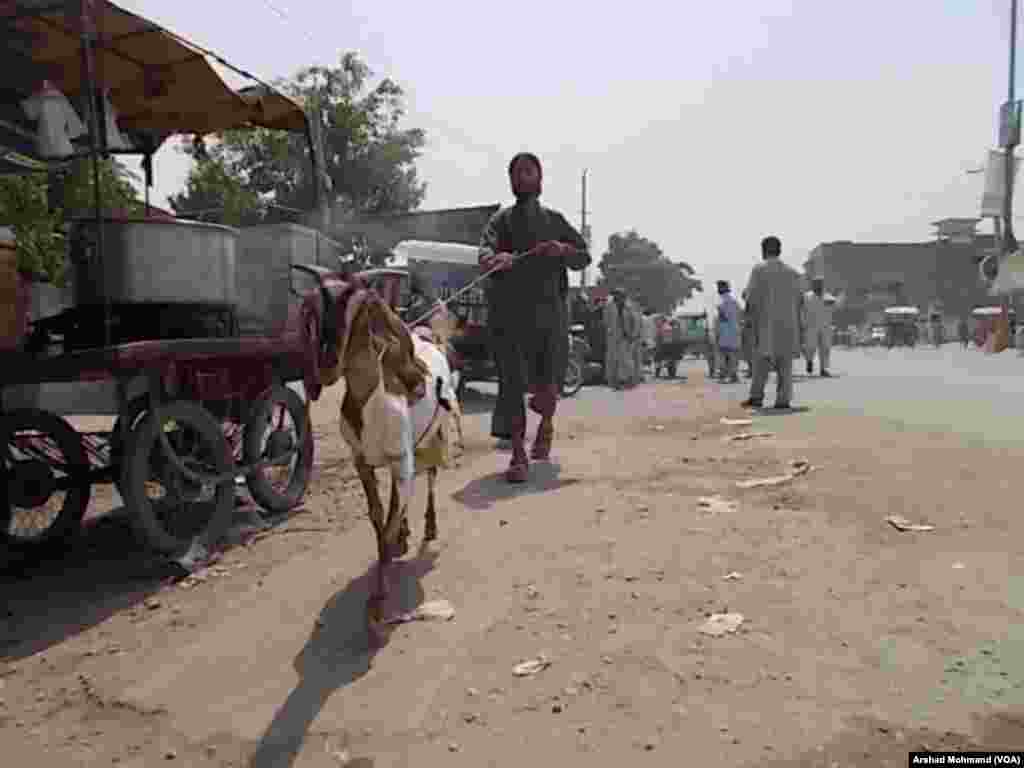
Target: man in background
point(728, 334)
point(636, 344)
point(619, 325)
point(818, 325)
point(747, 340)
point(775, 312)
point(650, 338)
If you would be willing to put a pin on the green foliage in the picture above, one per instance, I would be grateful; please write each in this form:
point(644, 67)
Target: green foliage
point(25, 208)
point(638, 266)
point(214, 193)
point(368, 158)
point(116, 184)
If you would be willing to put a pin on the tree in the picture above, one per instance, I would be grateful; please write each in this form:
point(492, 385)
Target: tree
point(368, 157)
point(638, 266)
point(117, 188)
point(34, 205)
point(213, 192)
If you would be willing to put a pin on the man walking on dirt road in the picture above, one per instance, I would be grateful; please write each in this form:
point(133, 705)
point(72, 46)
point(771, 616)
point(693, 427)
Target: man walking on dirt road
point(533, 248)
point(775, 313)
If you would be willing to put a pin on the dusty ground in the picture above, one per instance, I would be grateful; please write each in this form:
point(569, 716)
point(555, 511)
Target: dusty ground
point(859, 644)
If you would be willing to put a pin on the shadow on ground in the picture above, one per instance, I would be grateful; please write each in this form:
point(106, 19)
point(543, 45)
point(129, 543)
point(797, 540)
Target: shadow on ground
point(483, 492)
point(107, 570)
point(339, 652)
point(792, 411)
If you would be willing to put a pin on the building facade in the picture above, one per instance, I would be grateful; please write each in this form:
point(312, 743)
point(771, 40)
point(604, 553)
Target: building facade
point(939, 275)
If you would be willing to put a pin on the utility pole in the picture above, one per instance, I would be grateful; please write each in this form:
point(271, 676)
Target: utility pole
point(1009, 241)
point(583, 221)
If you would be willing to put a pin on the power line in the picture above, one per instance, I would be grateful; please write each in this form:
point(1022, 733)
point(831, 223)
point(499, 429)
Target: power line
point(287, 20)
point(447, 131)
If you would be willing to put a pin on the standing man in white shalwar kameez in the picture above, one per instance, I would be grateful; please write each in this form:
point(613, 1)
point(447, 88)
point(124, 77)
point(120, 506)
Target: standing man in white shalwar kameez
point(618, 325)
point(775, 313)
point(637, 343)
point(818, 325)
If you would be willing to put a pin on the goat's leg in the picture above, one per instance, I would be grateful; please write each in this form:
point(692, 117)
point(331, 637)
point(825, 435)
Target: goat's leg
point(430, 529)
point(376, 512)
point(401, 546)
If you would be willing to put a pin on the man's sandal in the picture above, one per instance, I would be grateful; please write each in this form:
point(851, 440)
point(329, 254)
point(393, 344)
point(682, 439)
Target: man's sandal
point(518, 471)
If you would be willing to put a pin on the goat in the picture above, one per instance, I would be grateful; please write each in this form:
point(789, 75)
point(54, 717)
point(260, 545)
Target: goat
point(412, 369)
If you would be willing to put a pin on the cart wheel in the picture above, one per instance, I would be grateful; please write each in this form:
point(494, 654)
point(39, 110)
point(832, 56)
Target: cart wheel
point(134, 412)
point(573, 378)
point(168, 509)
point(278, 488)
point(48, 488)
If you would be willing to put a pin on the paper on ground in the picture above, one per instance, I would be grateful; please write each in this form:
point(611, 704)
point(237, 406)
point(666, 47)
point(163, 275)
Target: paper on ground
point(800, 467)
point(737, 422)
point(433, 610)
point(900, 523)
point(532, 667)
point(719, 624)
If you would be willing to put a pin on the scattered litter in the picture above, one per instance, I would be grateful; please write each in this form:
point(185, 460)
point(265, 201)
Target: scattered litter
point(959, 566)
point(737, 422)
point(716, 504)
point(799, 467)
point(152, 604)
point(748, 436)
point(532, 667)
point(433, 610)
point(900, 523)
point(719, 624)
point(658, 428)
point(733, 576)
point(200, 576)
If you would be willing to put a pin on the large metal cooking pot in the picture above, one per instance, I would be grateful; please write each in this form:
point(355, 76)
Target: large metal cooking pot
point(154, 261)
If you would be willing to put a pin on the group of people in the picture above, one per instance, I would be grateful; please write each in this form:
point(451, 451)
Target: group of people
point(735, 328)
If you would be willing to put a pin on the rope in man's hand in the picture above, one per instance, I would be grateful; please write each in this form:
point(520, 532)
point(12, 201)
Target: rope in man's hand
point(497, 263)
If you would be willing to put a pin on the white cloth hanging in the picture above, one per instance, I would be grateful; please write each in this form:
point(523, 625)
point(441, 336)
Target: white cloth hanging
point(56, 120)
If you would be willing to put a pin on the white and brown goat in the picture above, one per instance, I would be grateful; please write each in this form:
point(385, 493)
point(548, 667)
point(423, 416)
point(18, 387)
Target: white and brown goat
point(374, 343)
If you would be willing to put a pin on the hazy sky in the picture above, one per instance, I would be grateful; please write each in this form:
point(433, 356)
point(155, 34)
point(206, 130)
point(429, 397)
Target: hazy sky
point(705, 126)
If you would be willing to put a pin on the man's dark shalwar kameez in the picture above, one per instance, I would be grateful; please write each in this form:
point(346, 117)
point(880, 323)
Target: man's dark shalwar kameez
point(528, 313)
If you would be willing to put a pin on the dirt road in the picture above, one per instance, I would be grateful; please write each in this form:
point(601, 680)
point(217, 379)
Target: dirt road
point(858, 642)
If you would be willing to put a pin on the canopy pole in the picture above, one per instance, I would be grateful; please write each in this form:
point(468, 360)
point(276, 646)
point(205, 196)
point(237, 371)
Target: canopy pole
point(96, 142)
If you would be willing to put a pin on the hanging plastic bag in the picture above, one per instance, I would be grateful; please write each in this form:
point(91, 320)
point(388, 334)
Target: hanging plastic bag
point(387, 426)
